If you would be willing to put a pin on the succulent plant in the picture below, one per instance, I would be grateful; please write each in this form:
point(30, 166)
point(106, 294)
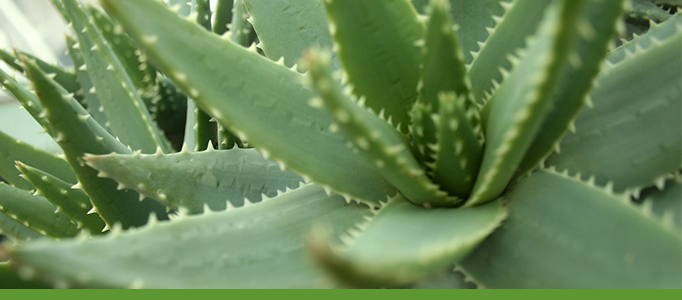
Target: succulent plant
point(418, 144)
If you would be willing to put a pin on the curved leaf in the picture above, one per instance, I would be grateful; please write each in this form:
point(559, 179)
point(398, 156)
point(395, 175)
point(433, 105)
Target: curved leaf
point(633, 135)
point(381, 54)
point(474, 19)
point(508, 34)
point(405, 243)
point(562, 233)
point(16, 231)
point(286, 28)
point(78, 133)
point(12, 150)
point(126, 112)
point(256, 246)
point(72, 202)
point(209, 179)
point(373, 139)
point(576, 80)
point(261, 101)
point(35, 212)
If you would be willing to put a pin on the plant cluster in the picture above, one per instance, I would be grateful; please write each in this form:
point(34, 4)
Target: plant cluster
point(350, 143)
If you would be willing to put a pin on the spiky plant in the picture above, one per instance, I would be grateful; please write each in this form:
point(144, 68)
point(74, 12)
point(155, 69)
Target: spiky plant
point(419, 143)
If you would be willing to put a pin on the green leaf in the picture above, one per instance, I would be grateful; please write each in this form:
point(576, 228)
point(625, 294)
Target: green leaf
point(222, 16)
point(87, 91)
point(515, 113)
point(381, 55)
point(10, 60)
point(16, 231)
point(65, 78)
point(169, 110)
point(665, 202)
point(474, 18)
point(28, 100)
point(562, 233)
point(576, 80)
point(141, 74)
point(35, 212)
point(126, 112)
point(210, 178)
point(405, 243)
point(449, 136)
point(460, 146)
point(73, 202)
point(659, 32)
point(509, 33)
point(77, 133)
point(256, 246)
point(241, 31)
point(202, 13)
point(12, 150)
point(646, 10)
point(373, 139)
point(198, 126)
point(286, 28)
point(254, 97)
point(443, 71)
point(633, 135)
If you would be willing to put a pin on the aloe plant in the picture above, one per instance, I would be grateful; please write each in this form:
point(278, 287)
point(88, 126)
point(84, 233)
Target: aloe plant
point(508, 144)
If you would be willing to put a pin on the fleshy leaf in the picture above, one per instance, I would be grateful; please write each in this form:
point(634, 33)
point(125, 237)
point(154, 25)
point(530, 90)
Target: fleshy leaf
point(222, 16)
point(373, 139)
point(169, 109)
point(126, 112)
point(286, 28)
point(211, 178)
point(576, 79)
point(35, 212)
point(199, 129)
point(508, 34)
point(405, 243)
point(256, 246)
point(515, 113)
point(460, 146)
point(474, 18)
point(658, 32)
point(12, 150)
point(646, 10)
point(87, 91)
point(65, 78)
point(443, 71)
point(16, 231)
point(380, 55)
point(562, 233)
point(633, 135)
point(141, 74)
point(261, 101)
point(447, 129)
point(73, 202)
point(665, 201)
point(27, 99)
point(78, 133)
point(241, 31)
